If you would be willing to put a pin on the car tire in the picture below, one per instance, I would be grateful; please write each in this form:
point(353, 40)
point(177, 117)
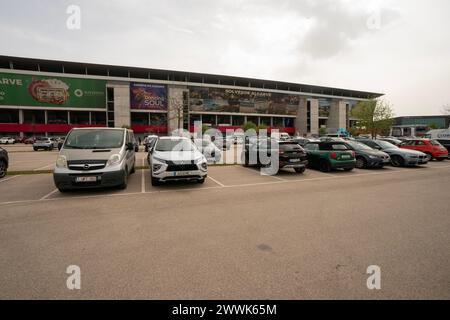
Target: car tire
point(3, 169)
point(440, 159)
point(133, 170)
point(125, 180)
point(429, 156)
point(63, 190)
point(35, 149)
point(348, 169)
point(155, 182)
point(324, 165)
point(361, 163)
point(300, 170)
point(397, 161)
point(201, 181)
point(244, 160)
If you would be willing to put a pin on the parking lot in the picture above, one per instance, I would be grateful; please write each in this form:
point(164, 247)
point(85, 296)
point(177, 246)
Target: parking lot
point(240, 235)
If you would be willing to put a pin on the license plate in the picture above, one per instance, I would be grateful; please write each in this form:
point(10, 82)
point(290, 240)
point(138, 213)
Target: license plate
point(86, 179)
point(181, 173)
point(345, 156)
point(294, 160)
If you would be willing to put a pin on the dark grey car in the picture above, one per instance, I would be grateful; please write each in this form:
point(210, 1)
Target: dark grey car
point(399, 157)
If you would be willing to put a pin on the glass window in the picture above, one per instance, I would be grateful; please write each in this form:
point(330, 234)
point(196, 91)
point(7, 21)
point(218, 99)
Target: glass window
point(34, 116)
point(224, 120)
point(9, 116)
point(209, 119)
point(238, 120)
point(174, 145)
point(277, 122)
point(56, 117)
point(79, 117)
point(289, 122)
point(265, 120)
point(139, 118)
point(419, 143)
point(193, 118)
point(98, 118)
point(252, 119)
point(312, 146)
point(94, 139)
point(158, 119)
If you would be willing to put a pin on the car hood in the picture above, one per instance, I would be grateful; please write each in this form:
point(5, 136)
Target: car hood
point(177, 155)
point(404, 151)
point(89, 154)
point(376, 153)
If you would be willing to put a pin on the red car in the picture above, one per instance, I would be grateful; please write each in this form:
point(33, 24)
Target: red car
point(432, 148)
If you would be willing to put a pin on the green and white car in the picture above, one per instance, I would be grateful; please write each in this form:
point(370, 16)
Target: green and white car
point(330, 155)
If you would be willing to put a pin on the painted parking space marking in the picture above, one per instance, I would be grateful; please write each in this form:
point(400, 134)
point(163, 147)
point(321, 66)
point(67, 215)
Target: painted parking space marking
point(143, 177)
point(216, 181)
point(219, 186)
point(49, 194)
point(10, 178)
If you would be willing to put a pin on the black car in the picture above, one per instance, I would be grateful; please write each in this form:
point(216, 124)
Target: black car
point(290, 154)
point(4, 162)
point(366, 157)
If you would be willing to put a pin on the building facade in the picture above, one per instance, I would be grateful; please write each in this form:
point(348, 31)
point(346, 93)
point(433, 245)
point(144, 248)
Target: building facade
point(47, 97)
point(418, 125)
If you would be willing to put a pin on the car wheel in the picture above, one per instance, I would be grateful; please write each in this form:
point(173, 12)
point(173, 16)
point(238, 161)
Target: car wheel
point(155, 182)
point(244, 159)
point(3, 168)
point(300, 170)
point(324, 165)
point(361, 163)
point(202, 180)
point(429, 156)
point(125, 180)
point(348, 169)
point(397, 161)
point(35, 149)
point(63, 190)
point(440, 159)
point(133, 169)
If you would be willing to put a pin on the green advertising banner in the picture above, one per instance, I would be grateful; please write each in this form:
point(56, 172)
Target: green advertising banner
point(49, 91)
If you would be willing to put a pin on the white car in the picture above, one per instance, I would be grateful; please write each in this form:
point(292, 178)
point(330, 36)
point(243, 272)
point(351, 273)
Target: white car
point(7, 140)
point(208, 149)
point(176, 158)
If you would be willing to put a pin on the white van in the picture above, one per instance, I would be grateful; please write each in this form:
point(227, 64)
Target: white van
point(95, 157)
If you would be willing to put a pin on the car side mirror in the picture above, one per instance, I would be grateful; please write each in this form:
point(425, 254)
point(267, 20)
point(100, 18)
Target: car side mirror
point(130, 146)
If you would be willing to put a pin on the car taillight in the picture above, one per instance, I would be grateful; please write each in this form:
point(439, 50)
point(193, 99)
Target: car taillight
point(333, 155)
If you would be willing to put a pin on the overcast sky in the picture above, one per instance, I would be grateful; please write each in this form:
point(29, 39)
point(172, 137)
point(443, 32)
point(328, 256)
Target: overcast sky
point(397, 47)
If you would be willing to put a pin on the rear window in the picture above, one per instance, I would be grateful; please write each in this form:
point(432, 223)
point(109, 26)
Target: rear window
point(290, 146)
point(312, 146)
point(333, 146)
point(435, 143)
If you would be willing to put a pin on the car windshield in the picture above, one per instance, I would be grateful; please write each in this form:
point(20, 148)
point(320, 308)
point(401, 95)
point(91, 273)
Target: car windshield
point(94, 139)
point(42, 139)
point(386, 145)
point(174, 145)
point(358, 146)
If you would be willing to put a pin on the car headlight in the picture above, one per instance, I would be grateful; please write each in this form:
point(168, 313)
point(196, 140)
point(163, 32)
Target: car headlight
point(158, 160)
point(114, 159)
point(204, 166)
point(373, 157)
point(61, 161)
point(156, 166)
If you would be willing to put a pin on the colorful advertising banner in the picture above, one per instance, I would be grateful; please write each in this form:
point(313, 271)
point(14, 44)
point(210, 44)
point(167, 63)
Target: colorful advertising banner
point(49, 91)
point(234, 100)
point(148, 96)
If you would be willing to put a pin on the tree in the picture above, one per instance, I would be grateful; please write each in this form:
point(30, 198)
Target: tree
point(176, 111)
point(322, 131)
point(433, 126)
point(249, 125)
point(375, 116)
point(261, 127)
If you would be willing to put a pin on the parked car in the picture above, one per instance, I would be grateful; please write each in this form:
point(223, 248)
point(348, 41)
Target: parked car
point(149, 141)
point(20, 139)
point(4, 162)
point(366, 157)
point(60, 141)
point(399, 157)
point(95, 157)
point(281, 136)
point(290, 154)
point(7, 140)
point(330, 155)
point(29, 140)
point(440, 135)
point(211, 152)
point(432, 148)
point(175, 159)
point(45, 143)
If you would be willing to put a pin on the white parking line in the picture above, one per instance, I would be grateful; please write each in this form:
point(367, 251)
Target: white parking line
point(45, 198)
point(143, 178)
point(42, 168)
point(216, 181)
point(48, 195)
point(10, 178)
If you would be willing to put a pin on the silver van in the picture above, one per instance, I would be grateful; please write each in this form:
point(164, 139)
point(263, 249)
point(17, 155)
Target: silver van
point(95, 157)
